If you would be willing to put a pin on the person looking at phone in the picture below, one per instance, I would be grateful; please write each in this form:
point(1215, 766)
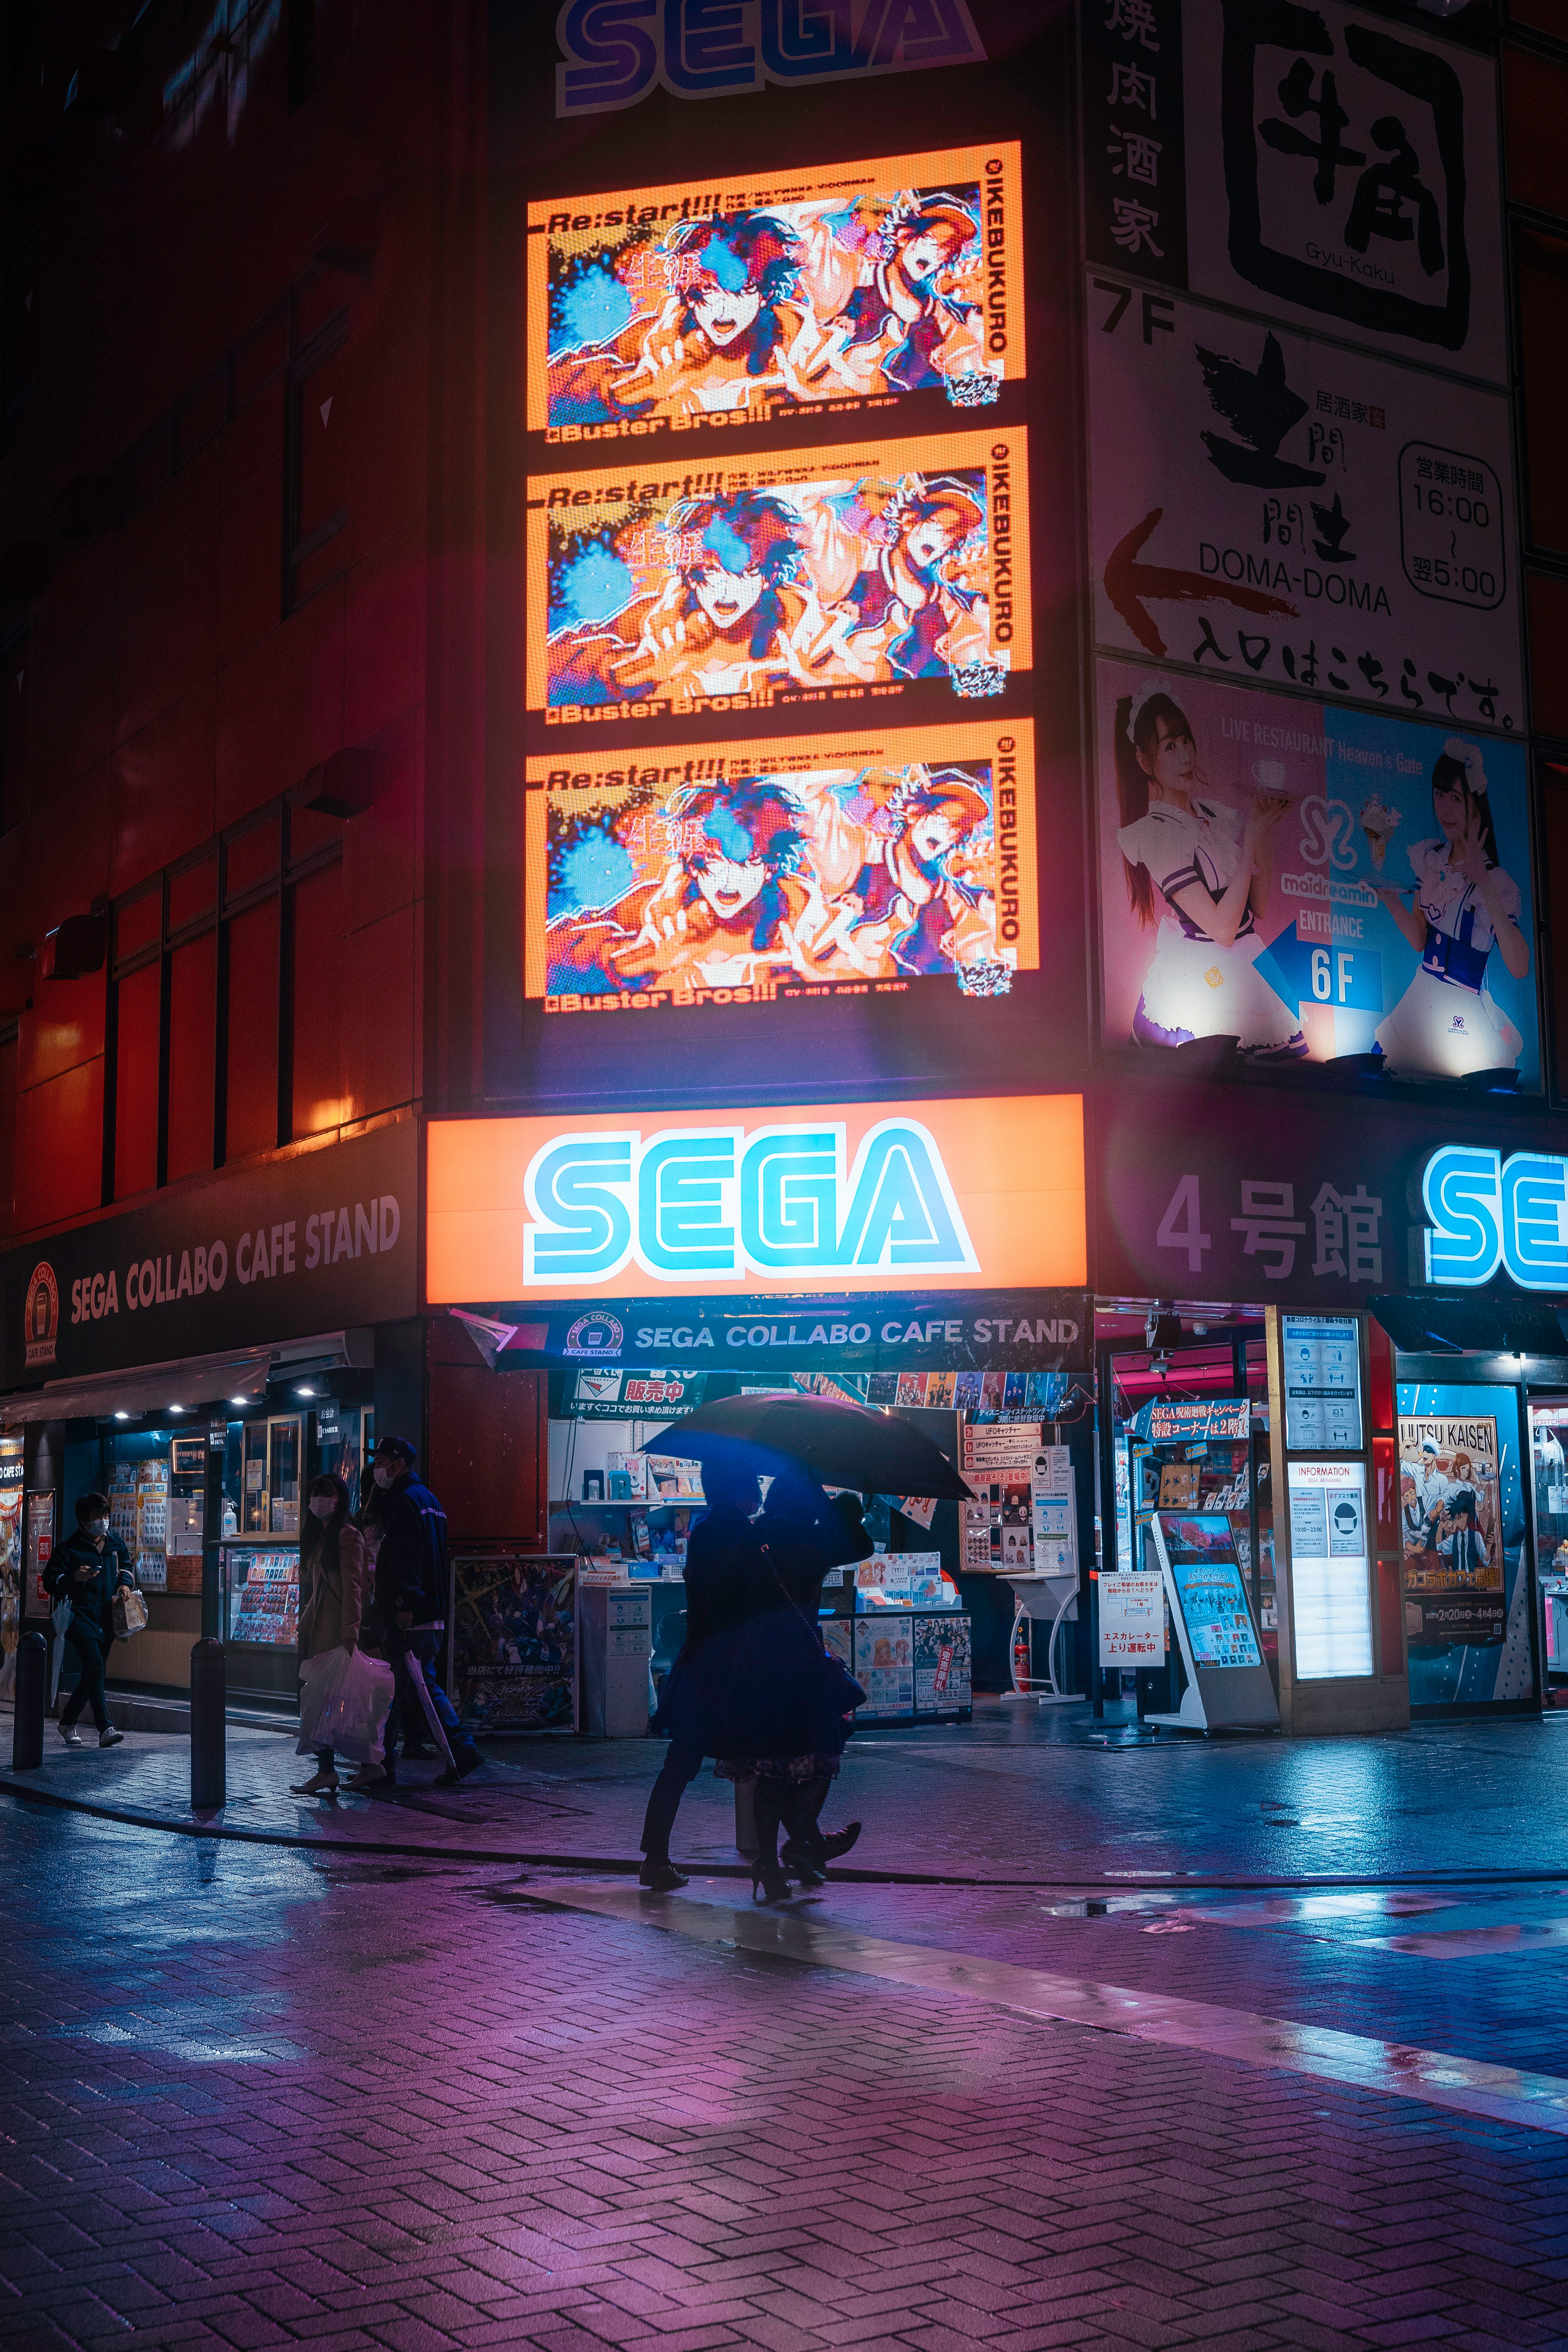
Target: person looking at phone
point(87, 1570)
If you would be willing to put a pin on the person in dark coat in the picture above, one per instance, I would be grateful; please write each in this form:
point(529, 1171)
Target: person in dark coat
point(87, 1570)
point(411, 1588)
point(806, 1534)
point(723, 1573)
point(781, 1726)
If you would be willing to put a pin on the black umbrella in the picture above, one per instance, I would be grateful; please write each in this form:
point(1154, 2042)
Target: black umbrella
point(843, 1444)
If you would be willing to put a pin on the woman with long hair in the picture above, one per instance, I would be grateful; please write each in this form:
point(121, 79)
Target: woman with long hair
point(1198, 874)
point(334, 1578)
point(1447, 1023)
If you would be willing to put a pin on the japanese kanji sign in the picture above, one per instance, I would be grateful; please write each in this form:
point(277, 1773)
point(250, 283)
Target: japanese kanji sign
point(1317, 164)
point(1313, 881)
point(1269, 505)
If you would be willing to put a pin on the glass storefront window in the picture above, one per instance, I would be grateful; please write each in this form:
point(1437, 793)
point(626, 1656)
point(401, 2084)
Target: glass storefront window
point(283, 1448)
point(1549, 1460)
point(1461, 1517)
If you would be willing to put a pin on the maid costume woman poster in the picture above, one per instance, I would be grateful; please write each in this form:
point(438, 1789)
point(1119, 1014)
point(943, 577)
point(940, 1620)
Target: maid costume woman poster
point(1312, 883)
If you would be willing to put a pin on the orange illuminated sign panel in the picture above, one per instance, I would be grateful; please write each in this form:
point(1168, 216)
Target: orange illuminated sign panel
point(960, 1195)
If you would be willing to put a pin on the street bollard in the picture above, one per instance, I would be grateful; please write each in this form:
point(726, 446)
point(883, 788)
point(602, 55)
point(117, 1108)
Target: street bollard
point(32, 1680)
point(208, 1727)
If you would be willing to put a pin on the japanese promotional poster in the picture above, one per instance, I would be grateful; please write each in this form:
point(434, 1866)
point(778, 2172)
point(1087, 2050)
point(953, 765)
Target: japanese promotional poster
point(1272, 506)
point(1313, 881)
point(897, 281)
point(1319, 164)
point(897, 568)
point(515, 1640)
point(1450, 1531)
point(739, 873)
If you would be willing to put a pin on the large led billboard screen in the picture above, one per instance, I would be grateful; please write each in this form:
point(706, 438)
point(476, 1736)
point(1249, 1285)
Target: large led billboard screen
point(723, 873)
point(895, 281)
point(894, 567)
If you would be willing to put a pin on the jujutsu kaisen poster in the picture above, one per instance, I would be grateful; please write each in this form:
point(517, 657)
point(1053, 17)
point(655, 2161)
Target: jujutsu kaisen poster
point(892, 568)
point(740, 873)
point(679, 308)
point(1312, 882)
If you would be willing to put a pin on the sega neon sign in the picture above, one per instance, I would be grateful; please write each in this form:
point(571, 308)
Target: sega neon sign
point(617, 50)
point(690, 1204)
point(1488, 1212)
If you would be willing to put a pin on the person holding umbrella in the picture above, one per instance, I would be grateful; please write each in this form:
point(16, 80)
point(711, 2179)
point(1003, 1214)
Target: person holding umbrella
point(724, 1575)
point(807, 1533)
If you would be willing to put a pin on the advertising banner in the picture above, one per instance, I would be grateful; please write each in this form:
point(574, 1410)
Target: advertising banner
point(1451, 1530)
point(899, 568)
point(1271, 505)
point(1314, 881)
point(740, 874)
point(1317, 164)
point(897, 280)
point(514, 1642)
point(798, 1198)
point(321, 1241)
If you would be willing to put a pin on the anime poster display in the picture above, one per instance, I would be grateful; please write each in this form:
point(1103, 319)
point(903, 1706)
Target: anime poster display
point(1468, 1588)
point(884, 1664)
point(515, 1643)
point(883, 568)
point(1207, 1578)
point(1313, 881)
point(1274, 506)
point(1450, 1531)
point(943, 1665)
point(1318, 165)
point(740, 873)
point(677, 308)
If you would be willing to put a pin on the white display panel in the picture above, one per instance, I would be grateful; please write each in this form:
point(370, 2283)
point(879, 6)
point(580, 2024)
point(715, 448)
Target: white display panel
point(1329, 1571)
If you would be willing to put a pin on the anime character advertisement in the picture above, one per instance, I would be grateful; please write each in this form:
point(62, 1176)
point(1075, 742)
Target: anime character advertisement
point(1312, 882)
point(896, 568)
point(1451, 1530)
point(740, 873)
point(515, 1634)
point(682, 306)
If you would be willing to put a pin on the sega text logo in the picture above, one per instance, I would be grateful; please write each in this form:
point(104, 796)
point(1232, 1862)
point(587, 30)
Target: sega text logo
point(1488, 1212)
point(711, 1205)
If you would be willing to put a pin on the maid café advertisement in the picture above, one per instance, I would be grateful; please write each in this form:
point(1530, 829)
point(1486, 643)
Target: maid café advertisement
point(1313, 881)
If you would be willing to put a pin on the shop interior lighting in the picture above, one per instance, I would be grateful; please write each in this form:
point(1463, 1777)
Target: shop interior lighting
point(305, 1390)
point(176, 1408)
point(122, 1416)
point(239, 1399)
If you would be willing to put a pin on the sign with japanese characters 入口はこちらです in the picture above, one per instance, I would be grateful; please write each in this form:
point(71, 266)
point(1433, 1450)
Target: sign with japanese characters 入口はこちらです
point(672, 589)
point(685, 307)
point(1313, 881)
point(1268, 505)
point(1316, 164)
point(739, 874)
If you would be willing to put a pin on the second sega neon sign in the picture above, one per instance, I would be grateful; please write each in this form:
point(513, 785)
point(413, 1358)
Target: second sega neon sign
point(1488, 1212)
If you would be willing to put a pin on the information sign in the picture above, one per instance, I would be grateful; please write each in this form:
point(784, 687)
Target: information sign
point(1321, 1356)
point(1133, 1619)
point(1328, 1569)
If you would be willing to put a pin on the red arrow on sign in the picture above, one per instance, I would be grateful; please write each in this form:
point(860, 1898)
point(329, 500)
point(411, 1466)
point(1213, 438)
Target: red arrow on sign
point(1132, 586)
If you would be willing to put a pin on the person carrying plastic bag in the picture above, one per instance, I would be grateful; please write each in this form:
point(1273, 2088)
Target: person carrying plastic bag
point(345, 1696)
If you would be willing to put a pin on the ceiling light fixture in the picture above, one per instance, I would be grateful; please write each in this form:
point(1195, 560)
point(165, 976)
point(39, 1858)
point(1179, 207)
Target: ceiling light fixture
point(122, 1416)
point(304, 1390)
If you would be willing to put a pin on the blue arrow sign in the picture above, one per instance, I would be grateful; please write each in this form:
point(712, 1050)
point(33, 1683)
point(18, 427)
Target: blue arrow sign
point(1341, 974)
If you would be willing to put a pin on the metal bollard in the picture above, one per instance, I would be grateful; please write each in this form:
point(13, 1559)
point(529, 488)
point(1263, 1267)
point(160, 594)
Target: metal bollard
point(32, 1681)
point(208, 1727)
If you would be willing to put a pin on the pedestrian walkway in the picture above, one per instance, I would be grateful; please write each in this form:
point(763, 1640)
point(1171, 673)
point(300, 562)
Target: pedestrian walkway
point(254, 2097)
point(1037, 1796)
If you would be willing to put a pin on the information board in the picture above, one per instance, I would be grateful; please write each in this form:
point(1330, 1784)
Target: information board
point(1133, 1619)
point(1329, 1571)
point(1321, 1358)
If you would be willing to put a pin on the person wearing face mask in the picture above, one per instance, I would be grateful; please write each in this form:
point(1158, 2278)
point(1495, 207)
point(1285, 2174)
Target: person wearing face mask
point(411, 1587)
point(87, 1570)
point(334, 1569)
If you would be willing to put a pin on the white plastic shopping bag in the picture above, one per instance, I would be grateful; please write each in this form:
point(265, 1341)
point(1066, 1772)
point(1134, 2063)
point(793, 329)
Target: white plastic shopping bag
point(344, 1704)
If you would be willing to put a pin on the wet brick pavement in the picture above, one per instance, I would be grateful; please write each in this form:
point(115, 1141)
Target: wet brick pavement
point(260, 2096)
